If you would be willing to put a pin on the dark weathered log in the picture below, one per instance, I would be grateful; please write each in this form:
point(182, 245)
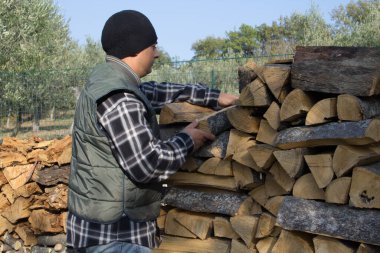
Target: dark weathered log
point(338, 70)
point(207, 201)
point(360, 225)
point(336, 133)
point(52, 175)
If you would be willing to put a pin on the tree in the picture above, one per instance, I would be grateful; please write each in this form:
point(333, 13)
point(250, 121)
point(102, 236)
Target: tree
point(244, 41)
point(357, 24)
point(34, 37)
point(210, 47)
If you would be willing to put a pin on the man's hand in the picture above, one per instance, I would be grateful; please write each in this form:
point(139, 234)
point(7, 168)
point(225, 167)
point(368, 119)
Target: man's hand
point(226, 100)
point(199, 136)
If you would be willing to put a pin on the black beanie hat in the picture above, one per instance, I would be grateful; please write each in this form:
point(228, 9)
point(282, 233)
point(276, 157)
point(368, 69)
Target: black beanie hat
point(127, 33)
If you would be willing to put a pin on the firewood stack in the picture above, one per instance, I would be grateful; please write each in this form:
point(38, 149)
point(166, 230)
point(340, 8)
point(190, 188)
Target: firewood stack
point(295, 166)
point(33, 200)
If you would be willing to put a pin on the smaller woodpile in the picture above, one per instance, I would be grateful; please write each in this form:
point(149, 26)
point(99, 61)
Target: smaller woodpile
point(295, 165)
point(33, 199)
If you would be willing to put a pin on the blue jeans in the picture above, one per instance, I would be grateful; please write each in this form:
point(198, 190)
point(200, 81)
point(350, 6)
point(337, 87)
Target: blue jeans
point(113, 247)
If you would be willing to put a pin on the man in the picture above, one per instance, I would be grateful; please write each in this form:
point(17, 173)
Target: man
point(118, 158)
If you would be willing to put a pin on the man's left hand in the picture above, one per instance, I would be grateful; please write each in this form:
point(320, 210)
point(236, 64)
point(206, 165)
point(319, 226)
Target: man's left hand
point(226, 99)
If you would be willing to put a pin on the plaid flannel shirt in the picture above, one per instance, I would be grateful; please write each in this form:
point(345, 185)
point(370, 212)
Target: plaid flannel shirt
point(142, 156)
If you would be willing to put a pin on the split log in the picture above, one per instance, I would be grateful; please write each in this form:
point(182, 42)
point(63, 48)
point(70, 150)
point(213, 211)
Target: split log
point(295, 106)
point(237, 246)
point(292, 161)
point(198, 179)
point(223, 228)
point(245, 226)
point(266, 133)
point(353, 108)
point(266, 245)
point(182, 112)
point(272, 188)
point(18, 210)
point(26, 234)
point(305, 187)
point(277, 77)
point(336, 133)
point(272, 115)
point(324, 69)
point(244, 119)
point(262, 155)
point(245, 177)
point(259, 195)
point(5, 225)
point(321, 167)
point(217, 166)
point(51, 175)
point(199, 224)
point(206, 201)
point(9, 158)
point(346, 157)
point(173, 227)
point(265, 225)
point(216, 122)
point(365, 186)
point(273, 204)
point(281, 177)
point(337, 191)
point(255, 94)
point(243, 156)
point(331, 220)
point(324, 244)
point(293, 242)
point(235, 139)
point(43, 221)
point(323, 111)
point(19, 175)
point(192, 164)
point(178, 244)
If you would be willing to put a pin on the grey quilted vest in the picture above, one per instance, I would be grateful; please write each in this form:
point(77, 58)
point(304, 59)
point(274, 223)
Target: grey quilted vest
point(99, 191)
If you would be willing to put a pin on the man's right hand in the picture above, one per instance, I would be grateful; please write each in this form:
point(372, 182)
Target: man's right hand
point(199, 136)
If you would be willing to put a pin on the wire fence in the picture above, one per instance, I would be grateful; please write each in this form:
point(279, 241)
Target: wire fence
point(41, 103)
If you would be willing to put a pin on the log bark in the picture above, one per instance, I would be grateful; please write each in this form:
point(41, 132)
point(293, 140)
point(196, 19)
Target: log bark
point(216, 148)
point(217, 122)
point(206, 201)
point(337, 70)
point(336, 133)
point(360, 225)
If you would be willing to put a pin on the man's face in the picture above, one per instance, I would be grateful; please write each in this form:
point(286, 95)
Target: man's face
point(146, 59)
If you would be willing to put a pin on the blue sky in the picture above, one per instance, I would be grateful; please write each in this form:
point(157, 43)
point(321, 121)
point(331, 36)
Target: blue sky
point(180, 23)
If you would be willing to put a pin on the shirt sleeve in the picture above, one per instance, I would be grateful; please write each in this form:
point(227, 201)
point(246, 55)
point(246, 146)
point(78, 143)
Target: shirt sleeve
point(162, 93)
point(144, 157)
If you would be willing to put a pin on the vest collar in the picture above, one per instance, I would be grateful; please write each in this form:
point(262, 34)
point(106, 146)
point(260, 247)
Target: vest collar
point(125, 68)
